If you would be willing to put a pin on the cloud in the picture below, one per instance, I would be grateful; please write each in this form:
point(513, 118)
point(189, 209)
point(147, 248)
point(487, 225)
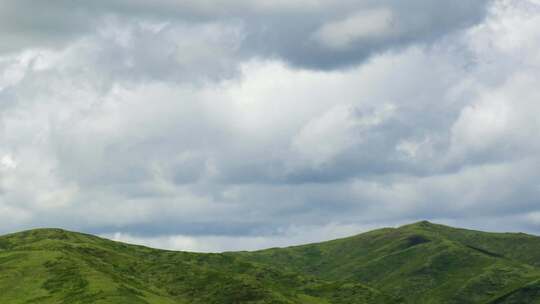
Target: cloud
point(325, 137)
point(277, 29)
point(292, 236)
point(193, 126)
point(362, 25)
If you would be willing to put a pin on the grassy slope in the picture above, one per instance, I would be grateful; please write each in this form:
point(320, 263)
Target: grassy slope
point(56, 266)
point(418, 263)
point(423, 263)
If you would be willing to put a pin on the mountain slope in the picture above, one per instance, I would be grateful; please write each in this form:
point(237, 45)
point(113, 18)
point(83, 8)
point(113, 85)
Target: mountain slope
point(420, 263)
point(417, 263)
point(56, 266)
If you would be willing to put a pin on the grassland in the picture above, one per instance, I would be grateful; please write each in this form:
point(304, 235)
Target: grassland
point(417, 263)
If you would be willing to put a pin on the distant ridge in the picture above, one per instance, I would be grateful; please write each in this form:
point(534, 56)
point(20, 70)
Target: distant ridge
point(421, 262)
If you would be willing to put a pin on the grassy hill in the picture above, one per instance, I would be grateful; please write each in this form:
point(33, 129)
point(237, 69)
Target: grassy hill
point(417, 263)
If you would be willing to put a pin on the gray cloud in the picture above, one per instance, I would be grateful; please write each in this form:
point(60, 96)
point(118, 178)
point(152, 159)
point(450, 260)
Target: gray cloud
point(312, 34)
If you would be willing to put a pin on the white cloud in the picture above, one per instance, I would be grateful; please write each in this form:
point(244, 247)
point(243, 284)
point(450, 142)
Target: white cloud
point(8, 162)
point(324, 137)
point(341, 34)
point(416, 148)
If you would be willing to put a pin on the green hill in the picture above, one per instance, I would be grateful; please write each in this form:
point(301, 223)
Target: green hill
point(417, 263)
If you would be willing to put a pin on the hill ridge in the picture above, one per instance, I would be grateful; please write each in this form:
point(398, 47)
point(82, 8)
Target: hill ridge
point(422, 224)
point(422, 262)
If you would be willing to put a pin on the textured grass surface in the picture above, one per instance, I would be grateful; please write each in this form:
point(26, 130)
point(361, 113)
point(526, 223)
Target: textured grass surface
point(418, 263)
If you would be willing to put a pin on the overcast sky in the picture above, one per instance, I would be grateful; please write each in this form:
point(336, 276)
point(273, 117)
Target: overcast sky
point(216, 125)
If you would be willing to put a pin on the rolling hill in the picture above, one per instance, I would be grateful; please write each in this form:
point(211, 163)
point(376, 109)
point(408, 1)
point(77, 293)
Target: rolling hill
point(418, 263)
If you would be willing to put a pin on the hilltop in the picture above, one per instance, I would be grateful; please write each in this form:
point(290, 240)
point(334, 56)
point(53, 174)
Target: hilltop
point(417, 263)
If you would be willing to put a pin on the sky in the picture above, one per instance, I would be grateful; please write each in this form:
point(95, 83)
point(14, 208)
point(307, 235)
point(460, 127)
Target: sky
point(212, 125)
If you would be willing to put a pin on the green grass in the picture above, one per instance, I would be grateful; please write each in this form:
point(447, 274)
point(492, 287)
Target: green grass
point(417, 263)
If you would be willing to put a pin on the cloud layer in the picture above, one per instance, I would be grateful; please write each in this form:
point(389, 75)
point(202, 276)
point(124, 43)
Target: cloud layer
point(308, 33)
point(245, 124)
